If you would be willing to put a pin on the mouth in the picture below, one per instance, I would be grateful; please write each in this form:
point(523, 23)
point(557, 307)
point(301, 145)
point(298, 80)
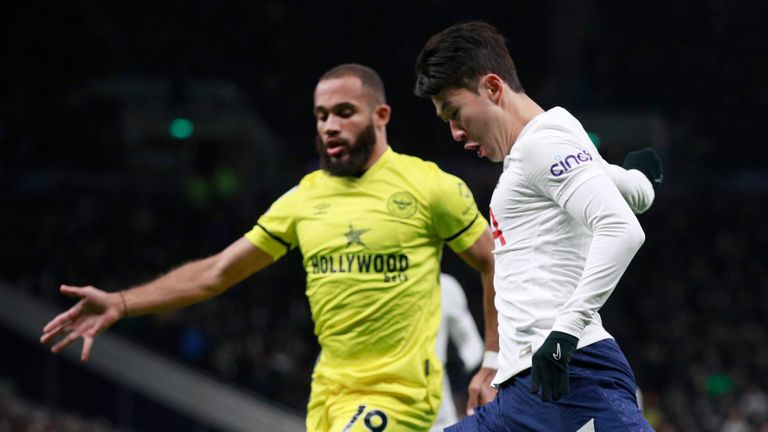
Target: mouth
point(475, 147)
point(334, 147)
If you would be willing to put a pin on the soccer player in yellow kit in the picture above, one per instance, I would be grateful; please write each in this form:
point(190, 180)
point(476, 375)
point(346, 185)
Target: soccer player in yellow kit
point(371, 225)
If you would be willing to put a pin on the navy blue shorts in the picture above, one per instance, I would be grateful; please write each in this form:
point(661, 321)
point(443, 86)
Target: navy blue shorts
point(601, 398)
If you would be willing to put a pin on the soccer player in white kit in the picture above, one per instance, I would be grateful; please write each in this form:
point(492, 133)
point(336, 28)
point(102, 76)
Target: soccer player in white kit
point(564, 232)
point(458, 326)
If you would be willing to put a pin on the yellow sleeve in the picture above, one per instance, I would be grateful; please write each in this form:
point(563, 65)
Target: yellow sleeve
point(275, 231)
point(455, 216)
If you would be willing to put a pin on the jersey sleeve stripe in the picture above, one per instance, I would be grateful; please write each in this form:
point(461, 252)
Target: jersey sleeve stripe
point(281, 241)
point(463, 229)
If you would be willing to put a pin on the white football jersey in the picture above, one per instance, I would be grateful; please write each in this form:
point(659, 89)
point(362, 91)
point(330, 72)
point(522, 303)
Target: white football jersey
point(457, 325)
point(560, 229)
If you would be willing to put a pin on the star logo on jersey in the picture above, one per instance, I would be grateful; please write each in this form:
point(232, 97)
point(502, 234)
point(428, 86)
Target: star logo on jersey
point(401, 204)
point(353, 236)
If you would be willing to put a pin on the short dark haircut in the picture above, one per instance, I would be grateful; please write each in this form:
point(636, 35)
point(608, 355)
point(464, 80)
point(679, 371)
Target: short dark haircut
point(370, 79)
point(459, 55)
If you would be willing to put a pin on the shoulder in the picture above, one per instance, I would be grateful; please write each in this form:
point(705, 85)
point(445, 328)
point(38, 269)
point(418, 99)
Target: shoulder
point(554, 135)
point(312, 179)
point(409, 162)
point(425, 175)
point(306, 185)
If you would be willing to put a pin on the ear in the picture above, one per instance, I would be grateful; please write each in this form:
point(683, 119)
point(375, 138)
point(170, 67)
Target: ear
point(492, 86)
point(381, 114)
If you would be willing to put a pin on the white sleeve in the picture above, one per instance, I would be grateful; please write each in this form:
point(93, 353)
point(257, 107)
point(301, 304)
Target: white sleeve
point(617, 236)
point(634, 186)
point(462, 329)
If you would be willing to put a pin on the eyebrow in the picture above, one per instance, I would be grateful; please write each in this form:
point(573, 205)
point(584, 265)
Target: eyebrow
point(442, 108)
point(338, 106)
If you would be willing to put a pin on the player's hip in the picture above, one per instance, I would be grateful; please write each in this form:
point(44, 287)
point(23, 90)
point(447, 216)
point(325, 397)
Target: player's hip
point(602, 397)
point(383, 406)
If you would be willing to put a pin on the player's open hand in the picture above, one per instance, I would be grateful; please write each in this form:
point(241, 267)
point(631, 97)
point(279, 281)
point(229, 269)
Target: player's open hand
point(480, 391)
point(95, 312)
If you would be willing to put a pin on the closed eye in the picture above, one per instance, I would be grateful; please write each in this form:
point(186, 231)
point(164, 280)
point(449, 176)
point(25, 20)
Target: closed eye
point(343, 110)
point(450, 115)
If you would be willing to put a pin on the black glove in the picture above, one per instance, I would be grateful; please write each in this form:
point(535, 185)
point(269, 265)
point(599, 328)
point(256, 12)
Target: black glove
point(550, 366)
point(647, 162)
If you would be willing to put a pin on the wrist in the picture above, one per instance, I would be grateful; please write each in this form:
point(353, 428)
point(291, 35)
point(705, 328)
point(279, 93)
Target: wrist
point(490, 360)
point(563, 337)
point(124, 305)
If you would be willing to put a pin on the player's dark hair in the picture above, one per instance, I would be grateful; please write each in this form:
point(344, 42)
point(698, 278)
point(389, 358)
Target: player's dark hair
point(370, 79)
point(459, 55)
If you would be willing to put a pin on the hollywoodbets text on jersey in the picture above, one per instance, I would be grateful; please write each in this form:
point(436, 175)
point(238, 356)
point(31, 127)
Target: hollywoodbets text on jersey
point(362, 263)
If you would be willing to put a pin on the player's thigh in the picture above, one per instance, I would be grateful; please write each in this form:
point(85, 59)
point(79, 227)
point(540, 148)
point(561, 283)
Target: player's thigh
point(377, 413)
point(360, 416)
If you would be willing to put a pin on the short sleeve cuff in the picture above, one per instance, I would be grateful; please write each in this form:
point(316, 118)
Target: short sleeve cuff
point(469, 235)
point(267, 242)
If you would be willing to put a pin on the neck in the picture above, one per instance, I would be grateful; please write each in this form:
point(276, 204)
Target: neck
point(520, 109)
point(378, 149)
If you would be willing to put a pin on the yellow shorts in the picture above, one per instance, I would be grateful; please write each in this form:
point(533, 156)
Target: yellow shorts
point(337, 409)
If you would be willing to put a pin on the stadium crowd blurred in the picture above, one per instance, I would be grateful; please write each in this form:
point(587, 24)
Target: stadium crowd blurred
point(20, 415)
point(690, 313)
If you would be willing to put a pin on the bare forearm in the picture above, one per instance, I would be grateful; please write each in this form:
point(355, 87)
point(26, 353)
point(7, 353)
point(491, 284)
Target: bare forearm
point(489, 312)
point(480, 257)
point(197, 281)
point(191, 283)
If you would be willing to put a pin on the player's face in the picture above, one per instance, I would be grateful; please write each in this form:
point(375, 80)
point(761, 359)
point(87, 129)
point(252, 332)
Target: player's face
point(473, 119)
point(345, 126)
point(354, 157)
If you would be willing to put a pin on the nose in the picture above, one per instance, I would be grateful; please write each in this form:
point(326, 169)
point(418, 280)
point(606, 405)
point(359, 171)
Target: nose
point(331, 126)
point(458, 133)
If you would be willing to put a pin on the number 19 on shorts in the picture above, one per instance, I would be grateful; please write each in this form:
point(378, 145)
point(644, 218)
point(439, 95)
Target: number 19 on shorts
point(374, 420)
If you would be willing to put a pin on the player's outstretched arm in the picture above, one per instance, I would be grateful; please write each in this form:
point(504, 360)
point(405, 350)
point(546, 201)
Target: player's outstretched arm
point(480, 257)
point(191, 283)
point(638, 179)
point(95, 312)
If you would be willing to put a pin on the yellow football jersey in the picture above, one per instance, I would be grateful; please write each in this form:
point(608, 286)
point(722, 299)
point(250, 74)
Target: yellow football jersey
point(371, 249)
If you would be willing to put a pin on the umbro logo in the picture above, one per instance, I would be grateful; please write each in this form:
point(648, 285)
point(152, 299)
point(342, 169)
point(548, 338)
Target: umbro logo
point(321, 208)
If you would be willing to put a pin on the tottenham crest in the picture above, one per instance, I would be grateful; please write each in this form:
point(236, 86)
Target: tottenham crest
point(402, 204)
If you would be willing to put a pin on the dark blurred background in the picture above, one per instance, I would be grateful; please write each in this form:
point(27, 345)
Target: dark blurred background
point(135, 138)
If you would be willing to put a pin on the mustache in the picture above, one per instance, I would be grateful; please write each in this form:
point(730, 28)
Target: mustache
point(339, 141)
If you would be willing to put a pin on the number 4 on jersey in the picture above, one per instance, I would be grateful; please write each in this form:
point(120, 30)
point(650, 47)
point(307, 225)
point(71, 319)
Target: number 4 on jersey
point(497, 234)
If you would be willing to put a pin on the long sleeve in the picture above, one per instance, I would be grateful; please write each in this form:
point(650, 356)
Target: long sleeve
point(617, 236)
point(633, 185)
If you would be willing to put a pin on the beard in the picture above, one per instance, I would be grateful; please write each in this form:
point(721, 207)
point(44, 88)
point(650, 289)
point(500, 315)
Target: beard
point(352, 160)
